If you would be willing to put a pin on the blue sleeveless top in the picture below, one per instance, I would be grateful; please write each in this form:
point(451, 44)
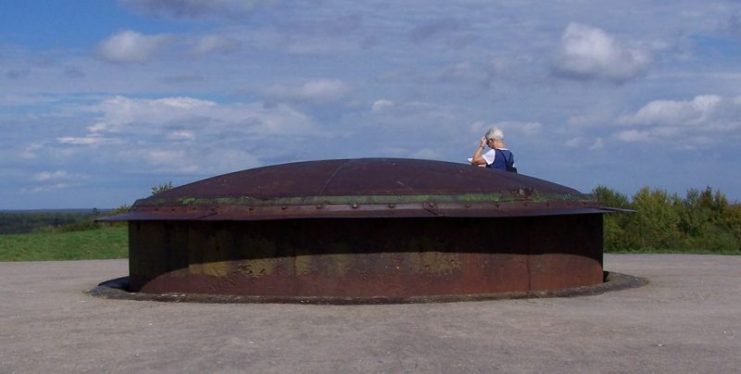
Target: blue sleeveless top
point(499, 160)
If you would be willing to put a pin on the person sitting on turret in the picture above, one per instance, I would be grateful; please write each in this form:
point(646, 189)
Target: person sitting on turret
point(498, 157)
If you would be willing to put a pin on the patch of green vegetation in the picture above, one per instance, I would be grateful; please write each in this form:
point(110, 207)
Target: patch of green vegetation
point(701, 222)
point(367, 199)
point(104, 242)
point(18, 222)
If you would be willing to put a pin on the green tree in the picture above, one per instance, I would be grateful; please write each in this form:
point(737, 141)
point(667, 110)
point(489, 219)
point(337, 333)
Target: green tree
point(615, 235)
point(714, 202)
point(732, 220)
point(610, 198)
point(704, 220)
point(655, 224)
point(693, 217)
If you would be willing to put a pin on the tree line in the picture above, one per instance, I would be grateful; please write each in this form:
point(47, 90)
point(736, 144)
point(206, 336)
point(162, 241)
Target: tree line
point(701, 221)
point(16, 222)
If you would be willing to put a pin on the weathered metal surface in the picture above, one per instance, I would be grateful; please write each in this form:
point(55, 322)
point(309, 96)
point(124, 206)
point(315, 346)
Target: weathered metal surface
point(393, 258)
point(365, 228)
point(119, 289)
point(362, 188)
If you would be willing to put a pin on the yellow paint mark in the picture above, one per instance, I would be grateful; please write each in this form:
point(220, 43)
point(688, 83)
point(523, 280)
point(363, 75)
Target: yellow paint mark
point(434, 262)
point(331, 264)
point(257, 267)
point(340, 264)
point(214, 269)
point(252, 268)
point(302, 264)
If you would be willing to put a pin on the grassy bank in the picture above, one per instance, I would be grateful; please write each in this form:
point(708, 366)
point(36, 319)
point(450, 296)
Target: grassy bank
point(99, 243)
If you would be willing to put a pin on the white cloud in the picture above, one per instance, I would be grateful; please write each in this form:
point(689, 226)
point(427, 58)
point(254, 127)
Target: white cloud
point(582, 142)
point(153, 132)
point(81, 140)
point(391, 78)
point(519, 129)
point(45, 176)
point(215, 43)
point(97, 127)
point(634, 136)
point(130, 46)
point(49, 187)
point(699, 119)
point(676, 113)
point(54, 180)
point(316, 91)
point(172, 160)
point(119, 112)
point(193, 159)
point(31, 151)
point(588, 52)
point(408, 109)
point(525, 128)
point(381, 105)
point(147, 116)
point(181, 135)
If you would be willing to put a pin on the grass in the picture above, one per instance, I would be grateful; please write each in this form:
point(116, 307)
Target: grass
point(100, 243)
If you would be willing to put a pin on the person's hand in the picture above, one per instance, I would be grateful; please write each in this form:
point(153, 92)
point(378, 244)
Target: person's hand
point(482, 142)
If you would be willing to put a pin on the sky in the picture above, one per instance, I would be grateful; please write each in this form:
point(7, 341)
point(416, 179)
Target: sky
point(102, 100)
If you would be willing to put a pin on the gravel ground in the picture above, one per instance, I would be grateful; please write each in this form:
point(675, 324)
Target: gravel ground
point(687, 320)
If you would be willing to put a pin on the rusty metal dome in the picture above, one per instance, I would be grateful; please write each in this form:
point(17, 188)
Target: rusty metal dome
point(362, 188)
point(366, 230)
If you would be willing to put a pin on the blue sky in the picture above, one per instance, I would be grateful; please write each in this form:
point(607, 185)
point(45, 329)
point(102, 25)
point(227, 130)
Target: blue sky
point(101, 100)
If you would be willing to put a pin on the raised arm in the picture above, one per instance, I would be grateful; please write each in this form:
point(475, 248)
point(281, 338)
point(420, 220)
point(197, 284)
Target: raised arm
point(477, 159)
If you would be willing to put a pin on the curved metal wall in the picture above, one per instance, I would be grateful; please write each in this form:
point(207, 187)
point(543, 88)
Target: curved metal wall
point(346, 258)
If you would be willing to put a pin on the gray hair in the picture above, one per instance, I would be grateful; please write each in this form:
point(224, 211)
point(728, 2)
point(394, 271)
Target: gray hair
point(494, 133)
